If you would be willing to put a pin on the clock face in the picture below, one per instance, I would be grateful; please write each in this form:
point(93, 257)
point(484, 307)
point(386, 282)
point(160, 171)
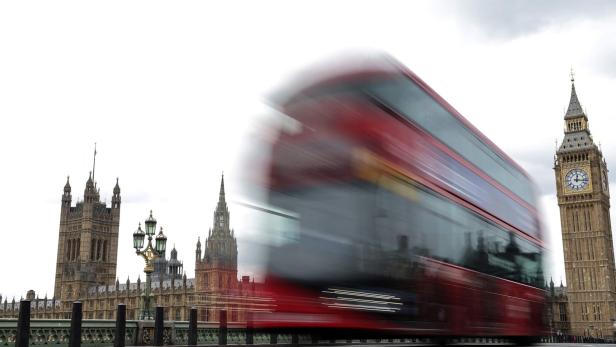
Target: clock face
point(604, 180)
point(576, 179)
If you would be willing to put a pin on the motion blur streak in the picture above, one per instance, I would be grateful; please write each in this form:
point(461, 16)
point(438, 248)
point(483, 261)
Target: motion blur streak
point(388, 212)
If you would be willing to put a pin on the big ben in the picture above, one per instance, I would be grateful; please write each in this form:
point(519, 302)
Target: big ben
point(584, 201)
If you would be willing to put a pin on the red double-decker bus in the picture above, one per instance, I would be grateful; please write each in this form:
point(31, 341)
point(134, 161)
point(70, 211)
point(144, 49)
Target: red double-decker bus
point(392, 214)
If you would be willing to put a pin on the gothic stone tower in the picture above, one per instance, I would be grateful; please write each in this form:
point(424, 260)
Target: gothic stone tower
point(216, 271)
point(88, 242)
point(584, 201)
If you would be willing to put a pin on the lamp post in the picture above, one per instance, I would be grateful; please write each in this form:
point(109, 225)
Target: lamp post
point(149, 253)
point(591, 331)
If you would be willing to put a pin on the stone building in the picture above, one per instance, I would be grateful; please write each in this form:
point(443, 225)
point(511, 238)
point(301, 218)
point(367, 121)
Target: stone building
point(217, 286)
point(87, 243)
point(174, 295)
point(87, 259)
point(584, 201)
point(557, 310)
point(100, 302)
point(40, 308)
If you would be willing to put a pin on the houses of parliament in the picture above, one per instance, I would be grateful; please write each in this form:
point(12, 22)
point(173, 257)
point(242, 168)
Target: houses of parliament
point(87, 260)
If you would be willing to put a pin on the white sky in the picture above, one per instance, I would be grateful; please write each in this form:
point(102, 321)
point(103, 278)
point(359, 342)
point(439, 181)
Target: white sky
point(169, 91)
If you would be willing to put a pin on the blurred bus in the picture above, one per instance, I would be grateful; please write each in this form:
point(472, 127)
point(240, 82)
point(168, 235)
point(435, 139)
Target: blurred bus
point(392, 214)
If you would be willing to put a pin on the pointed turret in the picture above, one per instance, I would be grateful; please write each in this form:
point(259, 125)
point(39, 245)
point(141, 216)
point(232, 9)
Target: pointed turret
point(174, 265)
point(116, 188)
point(221, 214)
point(577, 134)
point(198, 250)
point(575, 108)
point(116, 199)
point(67, 186)
point(90, 181)
point(222, 203)
point(66, 197)
point(90, 194)
point(222, 188)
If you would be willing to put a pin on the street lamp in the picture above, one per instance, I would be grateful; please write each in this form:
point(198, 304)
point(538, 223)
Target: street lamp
point(590, 331)
point(149, 253)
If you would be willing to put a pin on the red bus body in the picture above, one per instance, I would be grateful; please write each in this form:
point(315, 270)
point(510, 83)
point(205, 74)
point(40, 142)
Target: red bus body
point(355, 140)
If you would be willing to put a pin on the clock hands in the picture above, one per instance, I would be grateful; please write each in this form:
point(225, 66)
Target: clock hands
point(577, 179)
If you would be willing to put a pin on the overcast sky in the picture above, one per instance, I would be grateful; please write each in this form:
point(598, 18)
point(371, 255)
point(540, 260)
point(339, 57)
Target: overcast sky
point(170, 91)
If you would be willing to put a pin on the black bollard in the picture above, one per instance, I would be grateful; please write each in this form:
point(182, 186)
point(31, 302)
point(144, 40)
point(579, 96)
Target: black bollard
point(222, 330)
point(23, 325)
point(273, 338)
point(159, 326)
point(192, 327)
point(120, 330)
point(74, 339)
point(249, 329)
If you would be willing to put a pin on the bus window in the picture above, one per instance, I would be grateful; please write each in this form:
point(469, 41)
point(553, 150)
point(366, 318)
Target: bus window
point(438, 228)
point(332, 235)
point(406, 97)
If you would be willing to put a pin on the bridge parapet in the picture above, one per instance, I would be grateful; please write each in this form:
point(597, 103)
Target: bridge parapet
point(98, 333)
point(57, 331)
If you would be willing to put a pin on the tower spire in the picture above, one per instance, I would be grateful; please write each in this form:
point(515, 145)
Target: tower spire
point(575, 108)
point(67, 186)
point(577, 133)
point(222, 188)
point(222, 213)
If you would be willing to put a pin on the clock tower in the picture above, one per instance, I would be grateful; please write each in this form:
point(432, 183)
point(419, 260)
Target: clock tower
point(584, 201)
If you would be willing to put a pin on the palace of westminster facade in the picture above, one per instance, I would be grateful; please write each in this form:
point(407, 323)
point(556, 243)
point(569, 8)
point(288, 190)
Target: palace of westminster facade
point(87, 260)
point(88, 242)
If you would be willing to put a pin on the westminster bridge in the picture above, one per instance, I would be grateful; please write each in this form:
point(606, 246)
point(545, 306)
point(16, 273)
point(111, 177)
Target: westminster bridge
point(75, 332)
